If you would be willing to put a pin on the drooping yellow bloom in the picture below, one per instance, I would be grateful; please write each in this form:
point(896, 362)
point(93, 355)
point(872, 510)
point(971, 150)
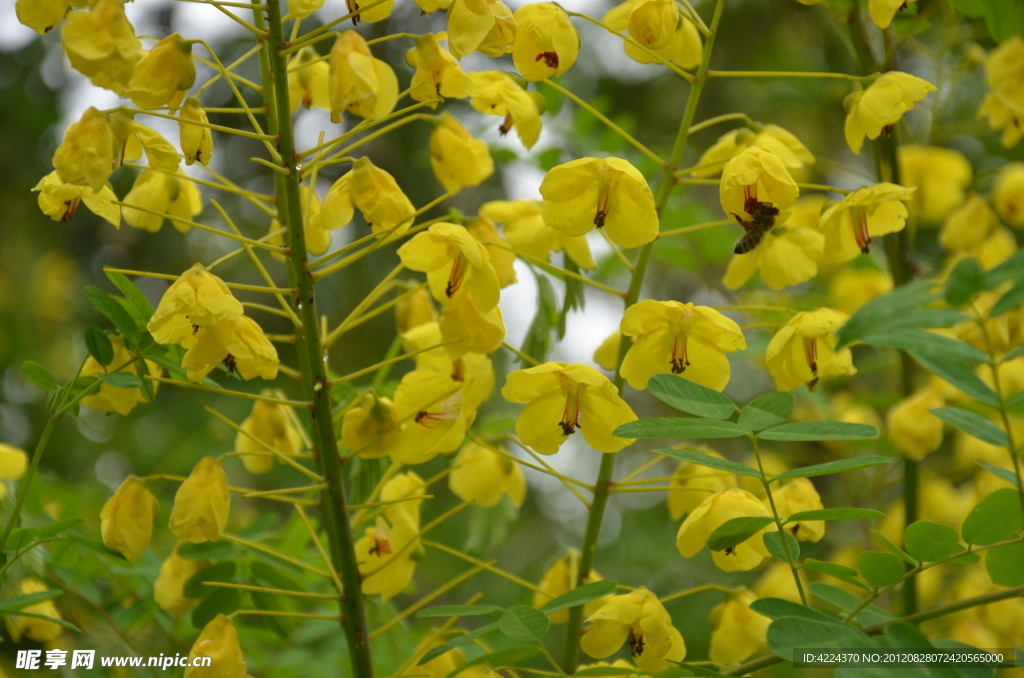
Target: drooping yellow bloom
point(777, 582)
point(196, 298)
point(607, 354)
point(912, 427)
point(100, 43)
point(883, 11)
point(653, 23)
point(169, 587)
point(867, 212)
point(373, 14)
point(803, 351)
point(240, 344)
point(133, 138)
point(421, 338)
point(712, 513)
point(111, 398)
point(852, 288)
point(219, 642)
point(699, 482)
point(526, 232)
point(678, 338)
point(546, 43)
point(428, 6)
point(736, 630)
point(358, 82)
point(13, 462)
point(561, 578)
point(794, 497)
point(458, 160)
point(167, 194)
point(126, 520)
point(502, 257)
point(39, 630)
point(1004, 105)
point(201, 504)
point(969, 226)
point(456, 264)
point(370, 429)
point(869, 112)
point(1002, 118)
point(788, 255)
point(474, 331)
point(940, 174)
point(487, 26)
point(640, 619)
point(272, 425)
point(1004, 332)
point(60, 201)
point(413, 310)
point(40, 15)
point(604, 193)
point(308, 80)
point(164, 75)
point(409, 487)
point(438, 75)
point(483, 476)
point(562, 398)
point(318, 240)
point(793, 154)
point(1008, 194)
point(86, 155)
point(387, 554)
point(754, 179)
point(374, 192)
point(442, 665)
point(496, 93)
point(684, 49)
point(196, 140)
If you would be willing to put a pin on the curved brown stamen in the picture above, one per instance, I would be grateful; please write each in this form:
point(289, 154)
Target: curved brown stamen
point(550, 59)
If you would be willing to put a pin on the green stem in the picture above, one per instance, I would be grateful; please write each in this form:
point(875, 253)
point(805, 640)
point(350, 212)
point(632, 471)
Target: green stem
point(309, 344)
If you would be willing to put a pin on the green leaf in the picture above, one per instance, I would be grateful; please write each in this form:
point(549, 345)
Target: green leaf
point(580, 596)
point(777, 608)
point(120, 380)
point(710, 462)
point(1004, 19)
point(961, 376)
point(63, 553)
point(788, 633)
point(38, 375)
point(21, 602)
point(880, 569)
point(810, 431)
point(99, 346)
point(671, 427)
point(456, 642)
point(972, 424)
point(736, 531)
point(606, 671)
point(221, 601)
point(130, 309)
point(1013, 298)
point(893, 308)
point(20, 538)
point(840, 572)
point(848, 602)
point(694, 669)
point(458, 611)
point(965, 280)
point(767, 411)
point(929, 542)
point(887, 544)
point(1005, 564)
point(1004, 473)
point(928, 343)
point(133, 293)
point(59, 622)
point(524, 623)
point(773, 542)
point(836, 514)
point(56, 527)
point(975, 9)
point(108, 306)
point(221, 572)
point(210, 550)
point(538, 340)
point(997, 518)
point(690, 397)
point(832, 467)
point(274, 577)
point(510, 656)
point(99, 548)
point(282, 625)
point(1013, 355)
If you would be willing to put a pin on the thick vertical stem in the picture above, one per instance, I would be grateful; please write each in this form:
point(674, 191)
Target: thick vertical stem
point(312, 358)
point(604, 474)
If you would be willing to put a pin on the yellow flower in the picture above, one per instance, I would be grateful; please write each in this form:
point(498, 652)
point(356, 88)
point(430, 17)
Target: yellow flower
point(13, 462)
point(736, 630)
point(438, 75)
point(788, 255)
point(639, 618)
point(804, 350)
point(413, 310)
point(777, 582)
point(795, 497)
point(86, 155)
point(483, 476)
point(684, 49)
point(240, 344)
point(526, 232)
point(883, 11)
point(132, 139)
point(968, 227)
point(196, 140)
point(219, 642)
point(169, 587)
point(546, 43)
point(486, 26)
point(272, 425)
point(377, 195)
point(126, 520)
point(111, 398)
point(561, 398)
point(502, 257)
point(653, 23)
point(196, 298)
point(387, 555)
point(850, 224)
point(371, 15)
point(714, 512)
point(474, 332)
point(869, 112)
point(423, 337)
point(308, 82)
point(561, 578)
point(370, 429)
point(696, 482)
point(607, 354)
point(403, 486)
point(753, 178)
point(852, 288)
point(40, 15)
point(442, 665)
point(793, 154)
point(683, 339)
point(912, 427)
point(318, 240)
point(39, 630)
point(496, 93)
point(940, 175)
point(1005, 332)
point(60, 201)
point(457, 266)
point(605, 193)
point(1002, 117)
point(201, 504)
point(358, 82)
point(428, 6)
point(167, 194)
point(100, 43)
point(1008, 194)
point(1004, 105)
point(458, 160)
point(164, 75)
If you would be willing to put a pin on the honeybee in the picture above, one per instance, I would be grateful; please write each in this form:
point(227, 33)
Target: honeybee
point(762, 221)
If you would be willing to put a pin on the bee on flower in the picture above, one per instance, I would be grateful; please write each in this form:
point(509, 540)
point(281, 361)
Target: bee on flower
point(638, 618)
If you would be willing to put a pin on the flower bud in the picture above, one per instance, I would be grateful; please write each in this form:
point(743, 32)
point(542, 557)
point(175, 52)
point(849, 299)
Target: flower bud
point(359, 83)
point(457, 158)
point(202, 504)
point(413, 310)
point(126, 520)
point(308, 80)
point(219, 642)
point(272, 425)
point(196, 140)
point(370, 429)
point(86, 155)
point(162, 77)
point(483, 476)
point(169, 587)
